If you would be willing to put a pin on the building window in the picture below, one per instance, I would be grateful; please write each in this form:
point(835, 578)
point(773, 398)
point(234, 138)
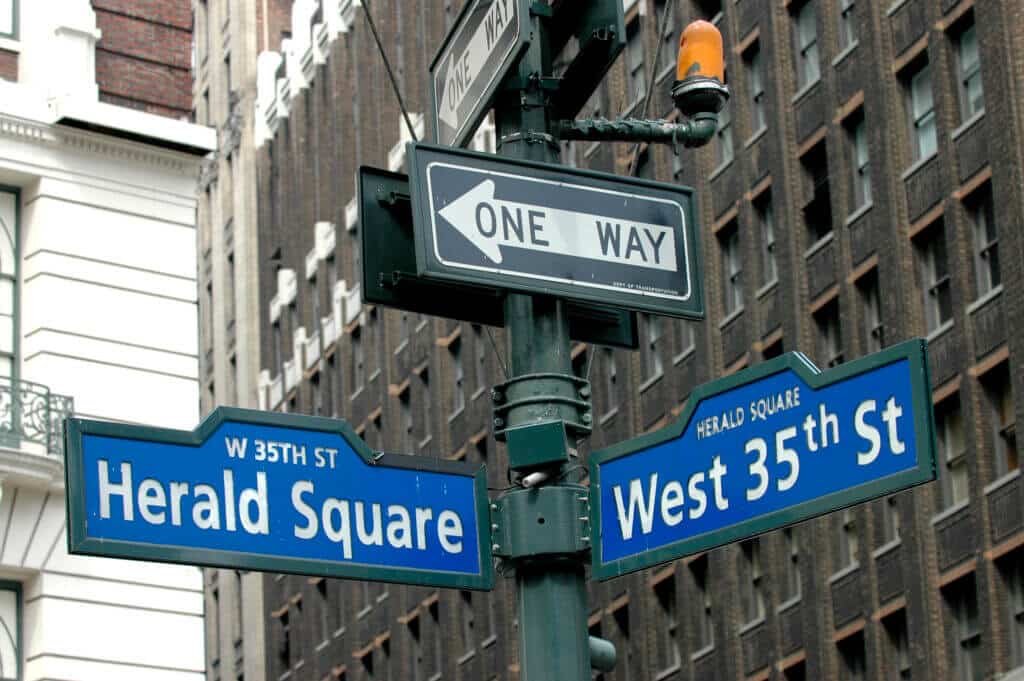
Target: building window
point(766, 225)
point(962, 607)
point(847, 24)
point(1002, 419)
point(427, 407)
point(852, 658)
point(857, 135)
point(898, 666)
point(808, 63)
point(278, 343)
point(480, 351)
point(637, 82)
point(817, 207)
point(871, 312)
point(986, 240)
point(669, 657)
point(458, 377)
point(949, 438)
point(9, 283)
point(10, 636)
point(847, 537)
point(611, 381)
point(1012, 570)
point(752, 594)
point(650, 350)
point(9, 19)
point(933, 271)
point(437, 640)
point(358, 362)
point(732, 269)
point(972, 97)
point(793, 583)
point(830, 338)
point(723, 137)
point(467, 622)
point(324, 610)
point(890, 519)
point(685, 338)
point(922, 113)
point(705, 626)
point(755, 73)
point(405, 414)
point(623, 644)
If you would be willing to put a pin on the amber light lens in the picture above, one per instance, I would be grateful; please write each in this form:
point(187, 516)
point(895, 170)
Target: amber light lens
point(700, 52)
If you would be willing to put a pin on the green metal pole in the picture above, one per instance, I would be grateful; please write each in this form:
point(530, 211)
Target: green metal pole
point(551, 594)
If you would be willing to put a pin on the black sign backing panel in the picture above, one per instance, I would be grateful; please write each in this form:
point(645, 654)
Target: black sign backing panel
point(545, 229)
point(486, 41)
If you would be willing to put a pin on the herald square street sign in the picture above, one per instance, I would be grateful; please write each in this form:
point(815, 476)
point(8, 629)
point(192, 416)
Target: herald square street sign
point(486, 41)
point(767, 447)
point(278, 493)
point(537, 228)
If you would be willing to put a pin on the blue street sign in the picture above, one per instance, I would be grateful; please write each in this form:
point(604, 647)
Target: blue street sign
point(279, 493)
point(770, 446)
point(538, 228)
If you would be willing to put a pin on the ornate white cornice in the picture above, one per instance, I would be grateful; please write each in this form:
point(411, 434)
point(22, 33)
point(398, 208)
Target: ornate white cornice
point(50, 135)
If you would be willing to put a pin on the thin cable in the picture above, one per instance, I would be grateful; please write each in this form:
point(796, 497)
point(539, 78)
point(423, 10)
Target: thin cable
point(391, 74)
point(501, 360)
point(669, 10)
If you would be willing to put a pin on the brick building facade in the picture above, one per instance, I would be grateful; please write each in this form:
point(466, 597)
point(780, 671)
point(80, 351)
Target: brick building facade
point(864, 187)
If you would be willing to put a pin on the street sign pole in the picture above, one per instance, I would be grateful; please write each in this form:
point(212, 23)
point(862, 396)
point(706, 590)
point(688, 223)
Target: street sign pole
point(546, 535)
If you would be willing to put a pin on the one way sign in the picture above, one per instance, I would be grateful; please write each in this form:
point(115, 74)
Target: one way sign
point(544, 229)
point(485, 42)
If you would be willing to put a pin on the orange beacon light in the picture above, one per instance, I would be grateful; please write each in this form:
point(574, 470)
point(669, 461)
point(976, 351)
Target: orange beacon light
point(700, 70)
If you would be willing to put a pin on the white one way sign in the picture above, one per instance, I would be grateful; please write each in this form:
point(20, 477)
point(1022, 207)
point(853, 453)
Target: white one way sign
point(491, 224)
point(485, 42)
point(539, 228)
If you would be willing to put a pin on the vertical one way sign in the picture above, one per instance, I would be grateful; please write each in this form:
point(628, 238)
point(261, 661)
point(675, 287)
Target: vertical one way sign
point(486, 40)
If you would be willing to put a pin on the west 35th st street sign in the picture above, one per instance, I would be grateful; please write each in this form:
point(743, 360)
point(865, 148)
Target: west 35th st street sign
point(486, 41)
point(770, 446)
point(540, 229)
point(279, 493)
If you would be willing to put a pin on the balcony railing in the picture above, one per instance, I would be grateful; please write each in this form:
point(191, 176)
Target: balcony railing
point(29, 412)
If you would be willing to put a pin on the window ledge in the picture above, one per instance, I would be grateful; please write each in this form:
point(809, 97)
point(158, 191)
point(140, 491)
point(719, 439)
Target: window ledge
point(354, 396)
point(489, 641)
point(967, 125)
point(664, 73)
point(766, 289)
point(844, 572)
point(646, 385)
point(940, 331)
point(949, 512)
point(859, 213)
point(819, 245)
point(477, 393)
point(731, 317)
point(752, 624)
point(758, 134)
point(466, 657)
point(605, 418)
point(684, 355)
point(786, 605)
point(702, 653)
point(995, 292)
point(1002, 481)
point(846, 52)
point(895, 7)
point(9, 45)
point(456, 414)
point(665, 673)
point(805, 90)
point(322, 645)
point(720, 169)
point(917, 165)
point(400, 347)
point(886, 548)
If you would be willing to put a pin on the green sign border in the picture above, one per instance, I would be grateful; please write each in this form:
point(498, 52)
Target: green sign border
point(80, 543)
point(430, 268)
point(915, 351)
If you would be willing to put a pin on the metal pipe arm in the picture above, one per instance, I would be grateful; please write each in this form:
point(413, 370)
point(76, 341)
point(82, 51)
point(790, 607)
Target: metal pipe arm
point(694, 132)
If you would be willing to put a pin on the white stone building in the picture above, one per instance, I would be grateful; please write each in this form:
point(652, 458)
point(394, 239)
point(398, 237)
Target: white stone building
point(97, 315)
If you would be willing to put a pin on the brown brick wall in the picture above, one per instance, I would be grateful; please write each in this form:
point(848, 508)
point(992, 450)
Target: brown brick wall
point(8, 65)
point(143, 58)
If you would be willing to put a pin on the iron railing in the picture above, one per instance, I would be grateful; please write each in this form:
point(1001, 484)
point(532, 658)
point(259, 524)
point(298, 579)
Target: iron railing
point(29, 412)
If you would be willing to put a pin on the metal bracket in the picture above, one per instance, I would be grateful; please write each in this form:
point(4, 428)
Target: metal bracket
point(539, 402)
point(541, 522)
